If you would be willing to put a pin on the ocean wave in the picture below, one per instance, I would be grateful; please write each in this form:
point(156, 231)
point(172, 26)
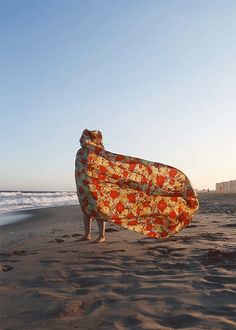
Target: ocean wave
point(11, 201)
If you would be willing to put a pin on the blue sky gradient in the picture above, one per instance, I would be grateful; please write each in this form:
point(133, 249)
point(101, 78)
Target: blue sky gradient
point(157, 77)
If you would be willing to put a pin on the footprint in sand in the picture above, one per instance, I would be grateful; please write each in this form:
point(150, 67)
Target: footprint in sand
point(69, 310)
point(5, 268)
point(8, 256)
point(111, 251)
point(46, 261)
point(68, 251)
point(180, 321)
point(192, 226)
point(111, 230)
point(20, 252)
point(14, 253)
point(229, 225)
point(145, 241)
point(215, 256)
point(76, 235)
point(61, 240)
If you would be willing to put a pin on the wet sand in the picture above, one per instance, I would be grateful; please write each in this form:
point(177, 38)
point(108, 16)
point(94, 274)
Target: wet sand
point(52, 280)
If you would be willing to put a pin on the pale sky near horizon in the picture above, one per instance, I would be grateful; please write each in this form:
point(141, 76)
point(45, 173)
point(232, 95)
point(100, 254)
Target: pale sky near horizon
point(157, 77)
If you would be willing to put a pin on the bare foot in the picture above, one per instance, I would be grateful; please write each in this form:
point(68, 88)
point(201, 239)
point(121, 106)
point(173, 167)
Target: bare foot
point(100, 240)
point(86, 238)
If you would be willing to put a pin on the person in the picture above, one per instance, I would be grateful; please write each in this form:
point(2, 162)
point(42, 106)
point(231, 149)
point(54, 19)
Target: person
point(88, 138)
point(88, 227)
point(147, 197)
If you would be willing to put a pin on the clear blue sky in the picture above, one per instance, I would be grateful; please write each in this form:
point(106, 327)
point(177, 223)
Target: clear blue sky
point(157, 77)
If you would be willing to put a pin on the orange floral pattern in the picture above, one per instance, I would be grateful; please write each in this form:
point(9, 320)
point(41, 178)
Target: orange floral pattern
point(154, 199)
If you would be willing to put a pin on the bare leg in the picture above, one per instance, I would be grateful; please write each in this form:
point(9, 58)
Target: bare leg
point(87, 228)
point(101, 228)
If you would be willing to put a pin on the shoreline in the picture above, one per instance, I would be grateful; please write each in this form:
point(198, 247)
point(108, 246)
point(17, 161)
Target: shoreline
point(203, 198)
point(54, 281)
point(27, 213)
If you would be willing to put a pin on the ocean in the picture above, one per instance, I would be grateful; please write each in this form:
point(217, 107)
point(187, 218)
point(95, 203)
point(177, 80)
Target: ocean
point(13, 201)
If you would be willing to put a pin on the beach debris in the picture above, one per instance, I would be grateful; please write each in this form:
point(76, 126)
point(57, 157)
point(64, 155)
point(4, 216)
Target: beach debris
point(5, 268)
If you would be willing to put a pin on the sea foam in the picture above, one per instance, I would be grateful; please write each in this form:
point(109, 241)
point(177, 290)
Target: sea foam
point(11, 201)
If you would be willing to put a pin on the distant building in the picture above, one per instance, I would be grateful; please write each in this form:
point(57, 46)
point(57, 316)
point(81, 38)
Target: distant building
point(228, 186)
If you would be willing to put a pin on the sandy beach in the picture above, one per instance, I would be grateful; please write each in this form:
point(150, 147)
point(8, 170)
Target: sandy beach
point(52, 280)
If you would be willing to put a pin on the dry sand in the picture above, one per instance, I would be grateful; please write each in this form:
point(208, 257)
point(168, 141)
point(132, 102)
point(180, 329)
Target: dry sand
point(51, 280)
